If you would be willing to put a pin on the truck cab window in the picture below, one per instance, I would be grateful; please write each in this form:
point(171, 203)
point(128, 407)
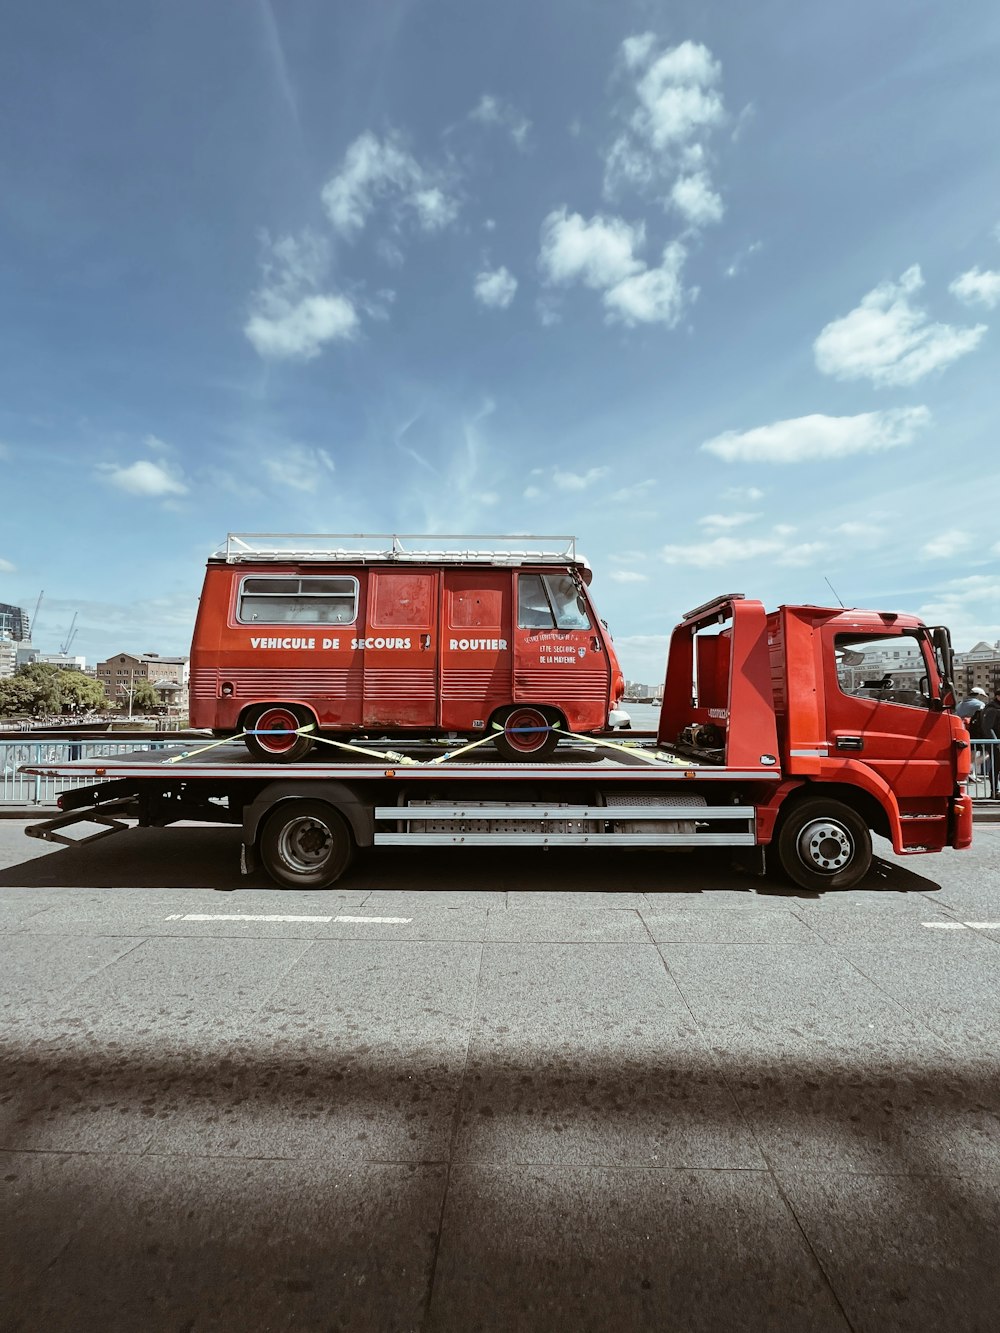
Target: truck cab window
point(888, 669)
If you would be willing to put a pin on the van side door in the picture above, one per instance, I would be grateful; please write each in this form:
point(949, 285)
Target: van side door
point(400, 649)
point(560, 658)
point(476, 647)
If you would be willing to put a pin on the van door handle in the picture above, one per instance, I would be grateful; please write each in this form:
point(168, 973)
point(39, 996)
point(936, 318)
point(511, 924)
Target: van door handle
point(850, 743)
point(595, 643)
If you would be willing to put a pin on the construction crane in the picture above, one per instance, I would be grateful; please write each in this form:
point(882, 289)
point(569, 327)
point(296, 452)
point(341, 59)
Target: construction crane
point(34, 618)
point(70, 636)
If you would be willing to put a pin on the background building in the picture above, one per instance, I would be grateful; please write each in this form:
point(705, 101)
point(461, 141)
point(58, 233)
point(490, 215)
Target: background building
point(979, 666)
point(167, 675)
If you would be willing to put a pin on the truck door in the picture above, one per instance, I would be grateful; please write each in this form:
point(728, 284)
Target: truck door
point(559, 655)
point(878, 710)
point(400, 648)
point(476, 647)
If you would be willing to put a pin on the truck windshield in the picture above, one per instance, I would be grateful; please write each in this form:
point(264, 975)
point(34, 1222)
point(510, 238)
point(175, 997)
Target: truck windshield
point(550, 601)
point(890, 668)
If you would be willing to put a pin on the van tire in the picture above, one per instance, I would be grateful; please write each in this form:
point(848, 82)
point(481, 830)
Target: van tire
point(282, 719)
point(536, 741)
point(305, 845)
point(824, 844)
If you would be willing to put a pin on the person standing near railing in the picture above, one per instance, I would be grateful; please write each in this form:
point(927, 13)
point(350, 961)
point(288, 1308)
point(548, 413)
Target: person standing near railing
point(990, 731)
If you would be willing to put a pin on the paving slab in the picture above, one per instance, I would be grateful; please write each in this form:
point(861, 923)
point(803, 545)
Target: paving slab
point(608, 922)
point(745, 925)
point(586, 1054)
point(905, 1254)
point(590, 1249)
point(188, 1243)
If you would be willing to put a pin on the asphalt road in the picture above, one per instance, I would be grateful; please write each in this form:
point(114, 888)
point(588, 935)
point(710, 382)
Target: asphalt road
point(516, 1091)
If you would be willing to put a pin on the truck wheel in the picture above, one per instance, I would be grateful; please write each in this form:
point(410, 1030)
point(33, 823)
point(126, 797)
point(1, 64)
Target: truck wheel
point(282, 747)
point(526, 734)
point(824, 845)
point(306, 845)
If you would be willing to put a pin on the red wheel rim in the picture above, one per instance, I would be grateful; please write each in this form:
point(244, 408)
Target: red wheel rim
point(526, 730)
point(282, 722)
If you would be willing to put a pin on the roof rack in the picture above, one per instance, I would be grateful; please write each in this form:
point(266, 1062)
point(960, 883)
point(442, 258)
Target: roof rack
point(520, 549)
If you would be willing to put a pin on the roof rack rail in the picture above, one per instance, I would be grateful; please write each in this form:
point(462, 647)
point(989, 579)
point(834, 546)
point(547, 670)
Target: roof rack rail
point(445, 548)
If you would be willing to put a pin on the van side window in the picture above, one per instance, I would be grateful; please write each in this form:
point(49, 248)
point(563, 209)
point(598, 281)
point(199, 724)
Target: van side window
point(533, 610)
point(281, 599)
point(567, 602)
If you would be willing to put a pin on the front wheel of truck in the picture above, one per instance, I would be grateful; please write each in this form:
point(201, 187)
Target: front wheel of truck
point(824, 844)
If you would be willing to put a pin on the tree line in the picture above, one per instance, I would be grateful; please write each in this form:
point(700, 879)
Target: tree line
point(41, 688)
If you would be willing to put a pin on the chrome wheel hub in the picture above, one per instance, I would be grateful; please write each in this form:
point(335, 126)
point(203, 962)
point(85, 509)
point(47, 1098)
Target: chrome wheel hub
point(825, 846)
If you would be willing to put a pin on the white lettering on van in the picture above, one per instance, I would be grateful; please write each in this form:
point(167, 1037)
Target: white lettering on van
point(377, 642)
point(283, 643)
point(331, 643)
point(468, 645)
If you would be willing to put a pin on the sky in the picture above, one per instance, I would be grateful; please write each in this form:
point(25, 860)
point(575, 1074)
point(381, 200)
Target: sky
point(713, 287)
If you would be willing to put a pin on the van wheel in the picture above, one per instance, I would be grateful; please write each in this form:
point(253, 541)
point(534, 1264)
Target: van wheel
point(306, 845)
point(527, 734)
point(274, 741)
point(824, 845)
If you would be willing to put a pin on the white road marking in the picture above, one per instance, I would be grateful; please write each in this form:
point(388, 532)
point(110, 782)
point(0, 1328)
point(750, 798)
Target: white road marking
point(983, 925)
point(379, 920)
point(944, 925)
point(240, 916)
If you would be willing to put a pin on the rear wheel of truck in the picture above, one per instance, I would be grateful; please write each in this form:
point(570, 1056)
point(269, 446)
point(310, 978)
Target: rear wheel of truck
point(527, 734)
point(306, 845)
point(824, 845)
point(275, 741)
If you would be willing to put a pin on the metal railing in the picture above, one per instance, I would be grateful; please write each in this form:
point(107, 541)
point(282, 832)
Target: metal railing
point(30, 789)
point(984, 779)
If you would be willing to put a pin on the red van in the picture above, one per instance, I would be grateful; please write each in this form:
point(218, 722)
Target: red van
point(387, 634)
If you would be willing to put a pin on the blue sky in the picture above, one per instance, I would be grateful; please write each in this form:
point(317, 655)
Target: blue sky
point(714, 288)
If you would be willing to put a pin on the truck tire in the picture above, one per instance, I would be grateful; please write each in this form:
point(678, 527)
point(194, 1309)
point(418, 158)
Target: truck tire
point(526, 734)
point(305, 845)
point(824, 844)
point(282, 747)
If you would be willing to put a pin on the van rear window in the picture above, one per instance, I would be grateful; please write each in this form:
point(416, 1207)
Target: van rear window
point(283, 600)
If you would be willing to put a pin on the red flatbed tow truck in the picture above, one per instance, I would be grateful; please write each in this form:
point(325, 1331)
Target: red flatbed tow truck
point(770, 736)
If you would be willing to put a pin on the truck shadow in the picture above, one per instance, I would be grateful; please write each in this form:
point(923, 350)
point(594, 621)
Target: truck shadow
point(207, 857)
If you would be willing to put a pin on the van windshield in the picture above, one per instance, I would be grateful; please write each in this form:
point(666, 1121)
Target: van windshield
point(550, 601)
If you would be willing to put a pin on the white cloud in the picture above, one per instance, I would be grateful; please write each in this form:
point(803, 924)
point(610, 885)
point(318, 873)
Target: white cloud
point(636, 491)
point(725, 522)
point(495, 287)
point(656, 295)
point(740, 493)
point(6, 567)
point(532, 493)
point(968, 606)
point(627, 576)
point(663, 149)
point(946, 544)
point(816, 437)
point(290, 319)
point(493, 111)
point(722, 551)
point(598, 252)
point(298, 332)
point(298, 467)
point(578, 481)
point(888, 340)
point(696, 201)
point(144, 478)
point(977, 287)
point(376, 171)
